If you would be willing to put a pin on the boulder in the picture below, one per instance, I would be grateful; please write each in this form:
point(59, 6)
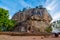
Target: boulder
point(32, 20)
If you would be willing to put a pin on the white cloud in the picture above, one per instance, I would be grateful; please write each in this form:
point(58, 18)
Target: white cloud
point(56, 16)
point(52, 5)
point(47, 1)
point(24, 4)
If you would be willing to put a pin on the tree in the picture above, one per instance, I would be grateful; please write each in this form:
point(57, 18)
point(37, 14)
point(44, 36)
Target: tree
point(40, 6)
point(36, 6)
point(5, 23)
point(10, 25)
point(56, 24)
point(24, 9)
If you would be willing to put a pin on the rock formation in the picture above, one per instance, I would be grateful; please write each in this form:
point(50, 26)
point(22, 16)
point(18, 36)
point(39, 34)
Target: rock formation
point(32, 20)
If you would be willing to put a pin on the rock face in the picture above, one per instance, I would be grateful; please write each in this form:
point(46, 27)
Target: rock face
point(32, 20)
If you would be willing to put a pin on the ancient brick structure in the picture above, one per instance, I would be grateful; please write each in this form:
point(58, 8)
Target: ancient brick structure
point(32, 20)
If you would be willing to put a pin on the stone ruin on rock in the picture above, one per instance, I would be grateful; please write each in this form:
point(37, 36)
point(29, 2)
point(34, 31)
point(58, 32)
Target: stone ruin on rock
point(32, 20)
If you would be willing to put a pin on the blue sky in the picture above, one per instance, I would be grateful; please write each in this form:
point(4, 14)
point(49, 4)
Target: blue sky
point(53, 6)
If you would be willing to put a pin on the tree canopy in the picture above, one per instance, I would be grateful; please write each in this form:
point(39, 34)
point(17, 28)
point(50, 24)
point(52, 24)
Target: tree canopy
point(6, 24)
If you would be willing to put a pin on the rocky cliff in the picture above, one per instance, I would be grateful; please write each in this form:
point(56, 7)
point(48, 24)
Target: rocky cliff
point(32, 20)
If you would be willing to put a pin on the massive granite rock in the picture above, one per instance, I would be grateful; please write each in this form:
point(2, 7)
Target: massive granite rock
point(32, 20)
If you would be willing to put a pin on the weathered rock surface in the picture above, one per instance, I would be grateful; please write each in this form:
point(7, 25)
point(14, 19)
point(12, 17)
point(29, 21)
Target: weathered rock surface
point(32, 20)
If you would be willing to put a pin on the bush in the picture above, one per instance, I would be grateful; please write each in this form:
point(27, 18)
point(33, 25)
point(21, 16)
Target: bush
point(48, 29)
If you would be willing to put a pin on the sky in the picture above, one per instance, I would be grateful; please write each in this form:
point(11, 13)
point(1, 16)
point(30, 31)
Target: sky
point(52, 6)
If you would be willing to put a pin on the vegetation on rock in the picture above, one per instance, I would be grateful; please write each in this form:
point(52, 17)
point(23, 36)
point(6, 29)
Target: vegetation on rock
point(48, 29)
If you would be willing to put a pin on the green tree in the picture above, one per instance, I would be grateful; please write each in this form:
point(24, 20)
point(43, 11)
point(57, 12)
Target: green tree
point(48, 29)
point(57, 24)
point(6, 24)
